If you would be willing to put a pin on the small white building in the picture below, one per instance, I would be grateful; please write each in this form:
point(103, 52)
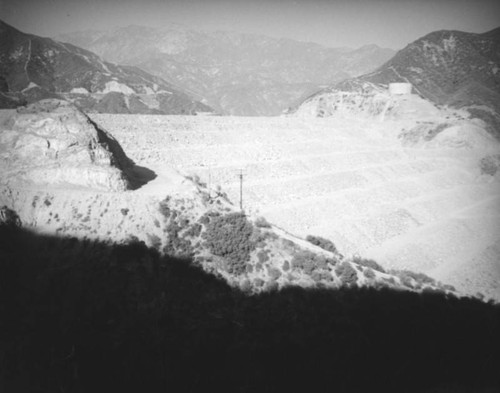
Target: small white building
point(397, 89)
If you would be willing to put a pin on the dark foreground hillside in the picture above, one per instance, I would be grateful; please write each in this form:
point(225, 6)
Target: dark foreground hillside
point(81, 316)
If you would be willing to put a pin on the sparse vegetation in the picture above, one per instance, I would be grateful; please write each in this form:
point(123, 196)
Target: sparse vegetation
point(309, 261)
point(164, 208)
point(261, 222)
point(489, 165)
point(325, 244)
point(263, 256)
point(368, 263)
point(8, 217)
point(273, 273)
point(369, 273)
point(407, 275)
point(177, 244)
point(346, 273)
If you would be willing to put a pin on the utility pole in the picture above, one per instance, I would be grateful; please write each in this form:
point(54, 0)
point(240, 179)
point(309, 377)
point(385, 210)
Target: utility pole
point(209, 184)
point(241, 189)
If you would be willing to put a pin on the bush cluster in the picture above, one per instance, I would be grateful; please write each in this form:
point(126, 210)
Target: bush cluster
point(9, 217)
point(369, 273)
point(368, 263)
point(229, 236)
point(346, 273)
point(325, 244)
point(177, 244)
point(274, 274)
point(407, 275)
point(310, 262)
point(164, 208)
point(261, 222)
point(263, 256)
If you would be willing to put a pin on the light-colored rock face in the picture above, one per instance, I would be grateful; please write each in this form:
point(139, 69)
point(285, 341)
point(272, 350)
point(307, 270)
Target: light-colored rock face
point(367, 101)
point(51, 142)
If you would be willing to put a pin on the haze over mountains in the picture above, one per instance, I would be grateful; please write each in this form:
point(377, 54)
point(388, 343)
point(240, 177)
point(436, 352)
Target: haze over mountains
point(33, 67)
point(238, 74)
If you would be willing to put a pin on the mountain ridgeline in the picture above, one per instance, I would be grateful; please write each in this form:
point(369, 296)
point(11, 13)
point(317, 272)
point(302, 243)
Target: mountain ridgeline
point(448, 68)
point(238, 74)
point(32, 68)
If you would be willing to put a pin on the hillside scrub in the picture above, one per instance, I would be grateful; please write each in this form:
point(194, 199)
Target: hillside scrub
point(309, 262)
point(346, 273)
point(368, 263)
point(230, 237)
point(325, 244)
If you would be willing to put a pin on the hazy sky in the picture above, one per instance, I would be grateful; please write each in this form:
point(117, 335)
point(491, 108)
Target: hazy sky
point(334, 23)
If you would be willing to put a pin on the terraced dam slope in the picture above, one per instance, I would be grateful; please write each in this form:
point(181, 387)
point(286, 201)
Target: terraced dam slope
point(372, 187)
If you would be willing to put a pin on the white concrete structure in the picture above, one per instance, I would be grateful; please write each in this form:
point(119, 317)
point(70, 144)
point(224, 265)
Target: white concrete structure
point(399, 88)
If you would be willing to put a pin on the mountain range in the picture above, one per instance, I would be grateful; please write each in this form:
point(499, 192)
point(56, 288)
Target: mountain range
point(33, 67)
point(237, 74)
point(449, 68)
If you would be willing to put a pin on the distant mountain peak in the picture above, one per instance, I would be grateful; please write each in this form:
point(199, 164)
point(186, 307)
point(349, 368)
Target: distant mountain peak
point(236, 73)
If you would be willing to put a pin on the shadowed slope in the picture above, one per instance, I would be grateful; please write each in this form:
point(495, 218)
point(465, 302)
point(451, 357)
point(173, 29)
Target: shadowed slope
point(80, 316)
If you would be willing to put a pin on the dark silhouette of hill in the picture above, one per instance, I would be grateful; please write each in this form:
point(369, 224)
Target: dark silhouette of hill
point(87, 316)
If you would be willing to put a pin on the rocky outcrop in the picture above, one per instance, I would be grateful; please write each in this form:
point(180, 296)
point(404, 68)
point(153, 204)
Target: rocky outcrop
point(52, 142)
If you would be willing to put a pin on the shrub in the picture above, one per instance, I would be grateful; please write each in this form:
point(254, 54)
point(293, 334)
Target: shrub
point(368, 263)
point(246, 286)
point(194, 230)
point(164, 208)
point(229, 237)
point(196, 180)
point(489, 165)
point(286, 266)
point(124, 211)
point(261, 222)
point(271, 286)
point(154, 241)
point(263, 256)
point(346, 273)
point(9, 217)
point(177, 245)
point(321, 275)
point(369, 273)
point(325, 244)
point(418, 277)
point(304, 260)
point(274, 273)
point(309, 261)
